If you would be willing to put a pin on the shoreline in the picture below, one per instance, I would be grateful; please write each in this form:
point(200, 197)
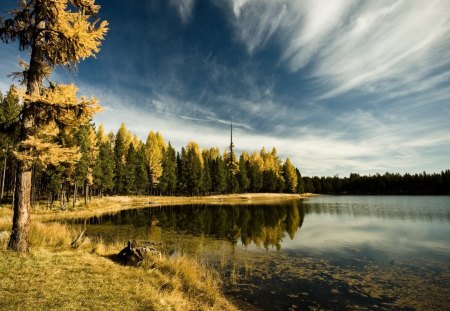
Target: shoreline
point(181, 284)
point(112, 204)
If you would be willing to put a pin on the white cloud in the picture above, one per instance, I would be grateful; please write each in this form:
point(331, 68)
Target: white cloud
point(237, 5)
point(397, 50)
point(184, 8)
point(382, 146)
point(369, 45)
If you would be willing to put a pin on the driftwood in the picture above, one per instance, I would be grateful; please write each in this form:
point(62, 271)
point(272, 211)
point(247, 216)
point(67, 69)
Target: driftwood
point(133, 255)
point(74, 242)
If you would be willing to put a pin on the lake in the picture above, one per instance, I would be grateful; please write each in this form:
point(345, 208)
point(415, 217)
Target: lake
point(326, 252)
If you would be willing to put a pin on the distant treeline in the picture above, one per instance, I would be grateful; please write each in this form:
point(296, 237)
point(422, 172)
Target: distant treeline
point(121, 164)
point(381, 184)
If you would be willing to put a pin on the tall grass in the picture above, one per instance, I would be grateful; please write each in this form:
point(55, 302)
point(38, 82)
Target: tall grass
point(188, 275)
point(56, 276)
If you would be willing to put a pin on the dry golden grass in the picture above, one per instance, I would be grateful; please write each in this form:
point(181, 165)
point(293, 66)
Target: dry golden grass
point(53, 276)
point(56, 277)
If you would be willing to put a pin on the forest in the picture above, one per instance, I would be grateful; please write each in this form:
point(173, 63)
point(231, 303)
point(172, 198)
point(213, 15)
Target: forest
point(121, 164)
point(386, 184)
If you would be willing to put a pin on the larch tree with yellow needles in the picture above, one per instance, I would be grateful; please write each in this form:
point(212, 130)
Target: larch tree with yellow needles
point(55, 32)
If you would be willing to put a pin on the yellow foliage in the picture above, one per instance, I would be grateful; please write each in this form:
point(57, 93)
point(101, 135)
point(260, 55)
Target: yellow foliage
point(161, 142)
point(245, 156)
point(46, 152)
point(257, 159)
point(61, 100)
point(214, 153)
point(56, 103)
point(69, 34)
point(101, 137)
point(154, 152)
point(57, 32)
point(193, 147)
point(136, 141)
point(291, 176)
point(271, 161)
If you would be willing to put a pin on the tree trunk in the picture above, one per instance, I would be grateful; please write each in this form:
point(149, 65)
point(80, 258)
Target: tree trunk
point(32, 203)
point(14, 188)
point(21, 219)
point(90, 193)
point(61, 197)
point(86, 193)
point(75, 192)
point(3, 179)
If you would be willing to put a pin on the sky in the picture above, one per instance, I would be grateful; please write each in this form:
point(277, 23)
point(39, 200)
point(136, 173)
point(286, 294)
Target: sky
point(337, 86)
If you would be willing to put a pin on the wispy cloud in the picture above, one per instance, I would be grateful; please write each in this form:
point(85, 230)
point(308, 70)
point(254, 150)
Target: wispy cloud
point(184, 8)
point(338, 86)
point(367, 45)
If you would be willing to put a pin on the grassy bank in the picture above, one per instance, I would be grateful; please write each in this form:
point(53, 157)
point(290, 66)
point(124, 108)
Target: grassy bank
point(54, 276)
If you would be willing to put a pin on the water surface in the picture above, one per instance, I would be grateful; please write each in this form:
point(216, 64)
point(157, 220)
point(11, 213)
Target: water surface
point(327, 252)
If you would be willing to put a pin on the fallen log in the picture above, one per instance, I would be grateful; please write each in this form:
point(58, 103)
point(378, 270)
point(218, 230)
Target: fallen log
point(74, 242)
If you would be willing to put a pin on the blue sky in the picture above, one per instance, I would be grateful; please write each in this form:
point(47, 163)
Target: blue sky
point(337, 86)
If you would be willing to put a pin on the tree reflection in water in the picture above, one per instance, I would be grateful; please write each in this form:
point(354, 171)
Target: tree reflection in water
point(263, 225)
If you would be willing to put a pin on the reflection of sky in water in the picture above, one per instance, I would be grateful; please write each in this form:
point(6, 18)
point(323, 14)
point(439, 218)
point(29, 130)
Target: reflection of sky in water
point(355, 250)
point(331, 233)
point(416, 208)
point(378, 227)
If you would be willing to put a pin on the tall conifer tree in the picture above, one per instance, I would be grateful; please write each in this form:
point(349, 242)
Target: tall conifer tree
point(55, 32)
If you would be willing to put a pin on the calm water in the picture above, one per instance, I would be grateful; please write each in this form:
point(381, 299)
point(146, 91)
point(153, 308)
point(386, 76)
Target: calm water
point(328, 252)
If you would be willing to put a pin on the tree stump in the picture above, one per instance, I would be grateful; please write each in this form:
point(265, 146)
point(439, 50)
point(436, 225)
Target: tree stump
point(132, 255)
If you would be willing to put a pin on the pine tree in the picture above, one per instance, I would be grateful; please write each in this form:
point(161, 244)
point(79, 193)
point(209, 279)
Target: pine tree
point(193, 168)
point(56, 33)
point(244, 181)
point(104, 167)
point(155, 147)
point(142, 180)
point(300, 183)
point(256, 164)
point(290, 176)
point(206, 184)
point(120, 149)
point(82, 167)
point(181, 168)
point(9, 135)
point(219, 177)
point(168, 181)
point(129, 180)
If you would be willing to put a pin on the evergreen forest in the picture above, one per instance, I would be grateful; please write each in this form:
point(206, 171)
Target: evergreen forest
point(122, 164)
